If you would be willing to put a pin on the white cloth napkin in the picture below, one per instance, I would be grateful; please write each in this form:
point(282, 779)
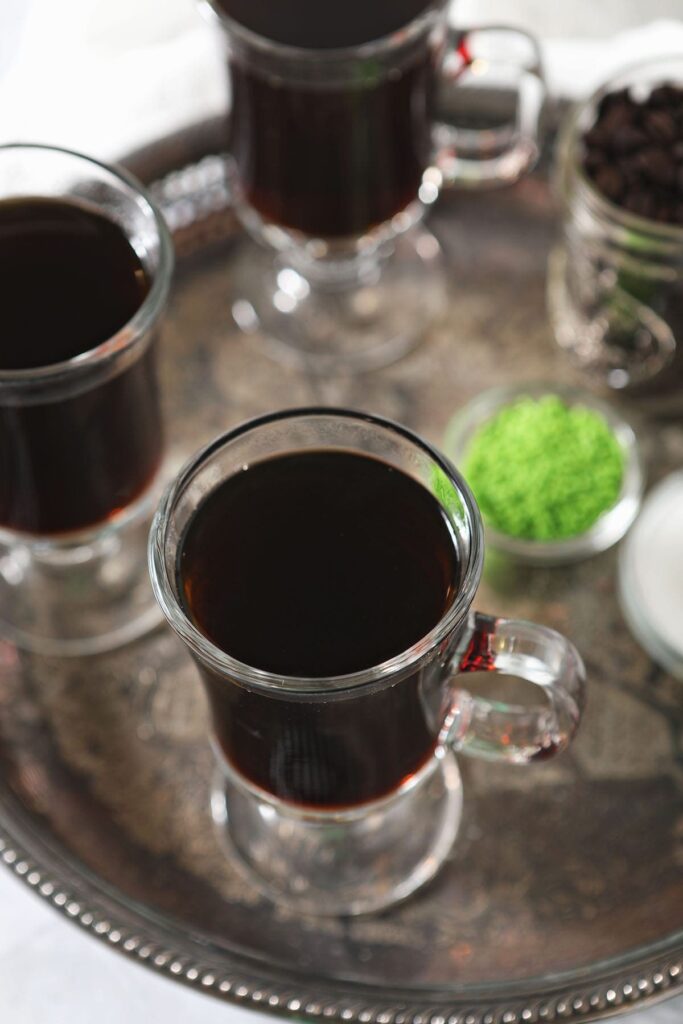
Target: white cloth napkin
point(107, 78)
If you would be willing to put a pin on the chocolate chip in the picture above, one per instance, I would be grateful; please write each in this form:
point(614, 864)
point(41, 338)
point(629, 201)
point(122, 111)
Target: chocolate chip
point(658, 165)
point(593, 159)
point(660, 125)
point(633, 152)
point(630, 168)
point(596, 138)
point(617, 119)
point(664, 213)
point(664, 96)
point(613, 99)
point(609, 181)
point(640, 203)
point(628, 139)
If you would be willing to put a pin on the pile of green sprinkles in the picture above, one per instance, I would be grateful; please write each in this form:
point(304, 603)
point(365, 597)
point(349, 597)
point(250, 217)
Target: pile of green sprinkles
point(544, 470)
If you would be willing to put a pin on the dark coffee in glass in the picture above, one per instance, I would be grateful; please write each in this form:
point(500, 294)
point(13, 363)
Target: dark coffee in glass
point(331, 159)
point(320, 564)
point(340, 136)
point(70, 281)
point(320, 567)
point(310, 24)
point(85, 264)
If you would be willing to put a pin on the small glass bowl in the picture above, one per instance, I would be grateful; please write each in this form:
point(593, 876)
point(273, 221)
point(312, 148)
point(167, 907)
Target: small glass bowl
point(612, 524)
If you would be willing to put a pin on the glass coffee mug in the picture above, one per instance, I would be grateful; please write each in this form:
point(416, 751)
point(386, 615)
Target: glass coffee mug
point(88, 260)
point(340, 795)
point(337, 150)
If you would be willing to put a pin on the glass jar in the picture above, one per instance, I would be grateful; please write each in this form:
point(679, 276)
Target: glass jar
point(615, 280)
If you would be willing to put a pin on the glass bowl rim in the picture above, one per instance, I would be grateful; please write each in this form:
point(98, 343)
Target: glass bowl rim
point(610, 526)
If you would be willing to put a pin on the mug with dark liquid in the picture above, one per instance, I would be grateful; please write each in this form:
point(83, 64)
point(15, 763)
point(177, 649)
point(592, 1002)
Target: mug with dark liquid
point(320, 565)
point(85, 264)
point(339, 142)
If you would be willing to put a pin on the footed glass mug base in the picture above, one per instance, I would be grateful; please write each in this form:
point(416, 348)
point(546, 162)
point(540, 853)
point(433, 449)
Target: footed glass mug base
point(355, 314)
point(80, 596)
point(352, 861)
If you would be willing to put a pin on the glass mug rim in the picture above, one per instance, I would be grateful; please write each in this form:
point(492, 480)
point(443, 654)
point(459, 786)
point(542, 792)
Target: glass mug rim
point(411, 30)
point(570, 167)
point(166, 590)
point(149, 310)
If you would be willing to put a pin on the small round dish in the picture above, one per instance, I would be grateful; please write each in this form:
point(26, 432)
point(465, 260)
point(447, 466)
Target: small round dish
point(609, 528)
point(651, 575)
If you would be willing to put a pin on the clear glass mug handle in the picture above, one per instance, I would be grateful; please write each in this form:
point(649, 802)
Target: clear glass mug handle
point(498, 155)
point(508, 732)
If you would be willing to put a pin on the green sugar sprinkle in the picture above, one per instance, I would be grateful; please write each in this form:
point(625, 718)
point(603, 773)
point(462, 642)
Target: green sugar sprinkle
point(544, 470)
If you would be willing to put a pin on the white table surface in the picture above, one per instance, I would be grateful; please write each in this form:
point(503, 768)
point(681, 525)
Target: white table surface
point(105, 76)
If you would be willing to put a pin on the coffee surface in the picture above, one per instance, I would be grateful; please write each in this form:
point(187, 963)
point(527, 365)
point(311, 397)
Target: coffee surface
point(70, 280)
point(318, 564)
point(315, 24)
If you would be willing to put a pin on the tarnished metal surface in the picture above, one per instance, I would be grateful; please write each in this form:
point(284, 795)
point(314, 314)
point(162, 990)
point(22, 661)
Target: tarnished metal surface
point(564, 894)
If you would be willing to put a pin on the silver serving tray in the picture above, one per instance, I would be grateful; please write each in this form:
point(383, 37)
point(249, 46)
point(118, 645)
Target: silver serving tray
point(563, 899)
